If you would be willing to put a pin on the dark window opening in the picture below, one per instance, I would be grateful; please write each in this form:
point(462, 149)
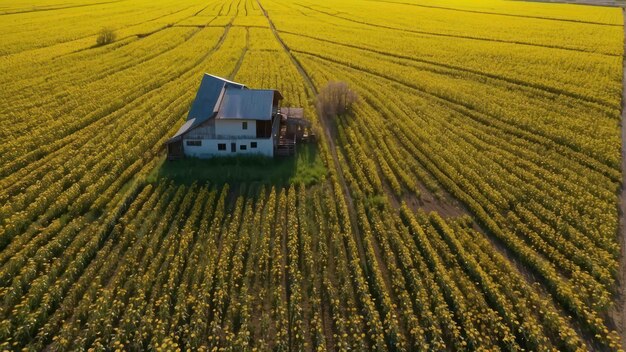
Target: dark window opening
point(194, 143)
point(243, 147)
point(221, 146)
point(244, 125)
point(252, 145)
point(233, 147)
point(264, 129)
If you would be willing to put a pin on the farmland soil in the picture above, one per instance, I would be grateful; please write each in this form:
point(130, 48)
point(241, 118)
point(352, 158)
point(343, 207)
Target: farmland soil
point(329, 137)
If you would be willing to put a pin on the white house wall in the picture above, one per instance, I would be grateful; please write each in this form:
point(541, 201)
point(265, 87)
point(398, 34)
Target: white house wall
point(234, 128)
point(209, 147)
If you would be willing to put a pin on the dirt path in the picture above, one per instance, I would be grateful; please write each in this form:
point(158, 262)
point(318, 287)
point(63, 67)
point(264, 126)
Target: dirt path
point(330, 134)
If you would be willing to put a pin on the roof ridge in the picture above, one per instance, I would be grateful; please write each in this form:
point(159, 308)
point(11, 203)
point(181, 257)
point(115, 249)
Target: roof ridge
point(224, 79)
point(220, 100)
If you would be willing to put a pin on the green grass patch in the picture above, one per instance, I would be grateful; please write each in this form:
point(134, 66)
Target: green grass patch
point(306, 167)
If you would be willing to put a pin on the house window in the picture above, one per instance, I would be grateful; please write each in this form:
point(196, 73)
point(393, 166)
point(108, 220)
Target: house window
point(244, 125)
point(194, 143)
point(252, 145)
point(221, 146)
point(243, 147)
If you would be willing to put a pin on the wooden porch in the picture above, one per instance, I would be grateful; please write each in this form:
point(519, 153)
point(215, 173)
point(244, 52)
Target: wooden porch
point(294, 129)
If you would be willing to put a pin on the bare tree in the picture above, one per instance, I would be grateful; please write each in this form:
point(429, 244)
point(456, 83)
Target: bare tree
point(106, 36)
point(336, 98)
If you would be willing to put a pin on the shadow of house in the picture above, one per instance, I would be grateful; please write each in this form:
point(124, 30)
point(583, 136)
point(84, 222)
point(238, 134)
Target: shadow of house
point(305, 168)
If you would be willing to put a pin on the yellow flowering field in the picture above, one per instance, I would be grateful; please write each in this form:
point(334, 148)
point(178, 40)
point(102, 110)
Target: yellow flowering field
point(469, 200)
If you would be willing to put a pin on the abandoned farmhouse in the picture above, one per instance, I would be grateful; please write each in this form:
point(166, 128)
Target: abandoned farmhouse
point(227, 118)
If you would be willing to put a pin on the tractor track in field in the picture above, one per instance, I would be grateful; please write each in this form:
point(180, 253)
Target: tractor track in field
point(554, 91)
point(528, 273)
point(502, 249)
point(72, 139)
point(606, 3)
point(495, 13)
point(112, 70)
point(469, 114)
point(329, 136)
point(27, 51)
point(484, 118)
point(447, 35)
point(329, 131)
point(57, 8)
point(232, 75)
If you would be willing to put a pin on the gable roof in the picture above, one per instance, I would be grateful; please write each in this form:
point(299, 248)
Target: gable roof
point(220, 98)
point(184, 128)
point(246, 104)
point(206, 103)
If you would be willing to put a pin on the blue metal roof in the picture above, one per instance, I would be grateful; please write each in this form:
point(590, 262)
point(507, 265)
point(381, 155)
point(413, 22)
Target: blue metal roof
point(224, 99)
point(184, 128)
point(206, 103)
point(249, 104)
